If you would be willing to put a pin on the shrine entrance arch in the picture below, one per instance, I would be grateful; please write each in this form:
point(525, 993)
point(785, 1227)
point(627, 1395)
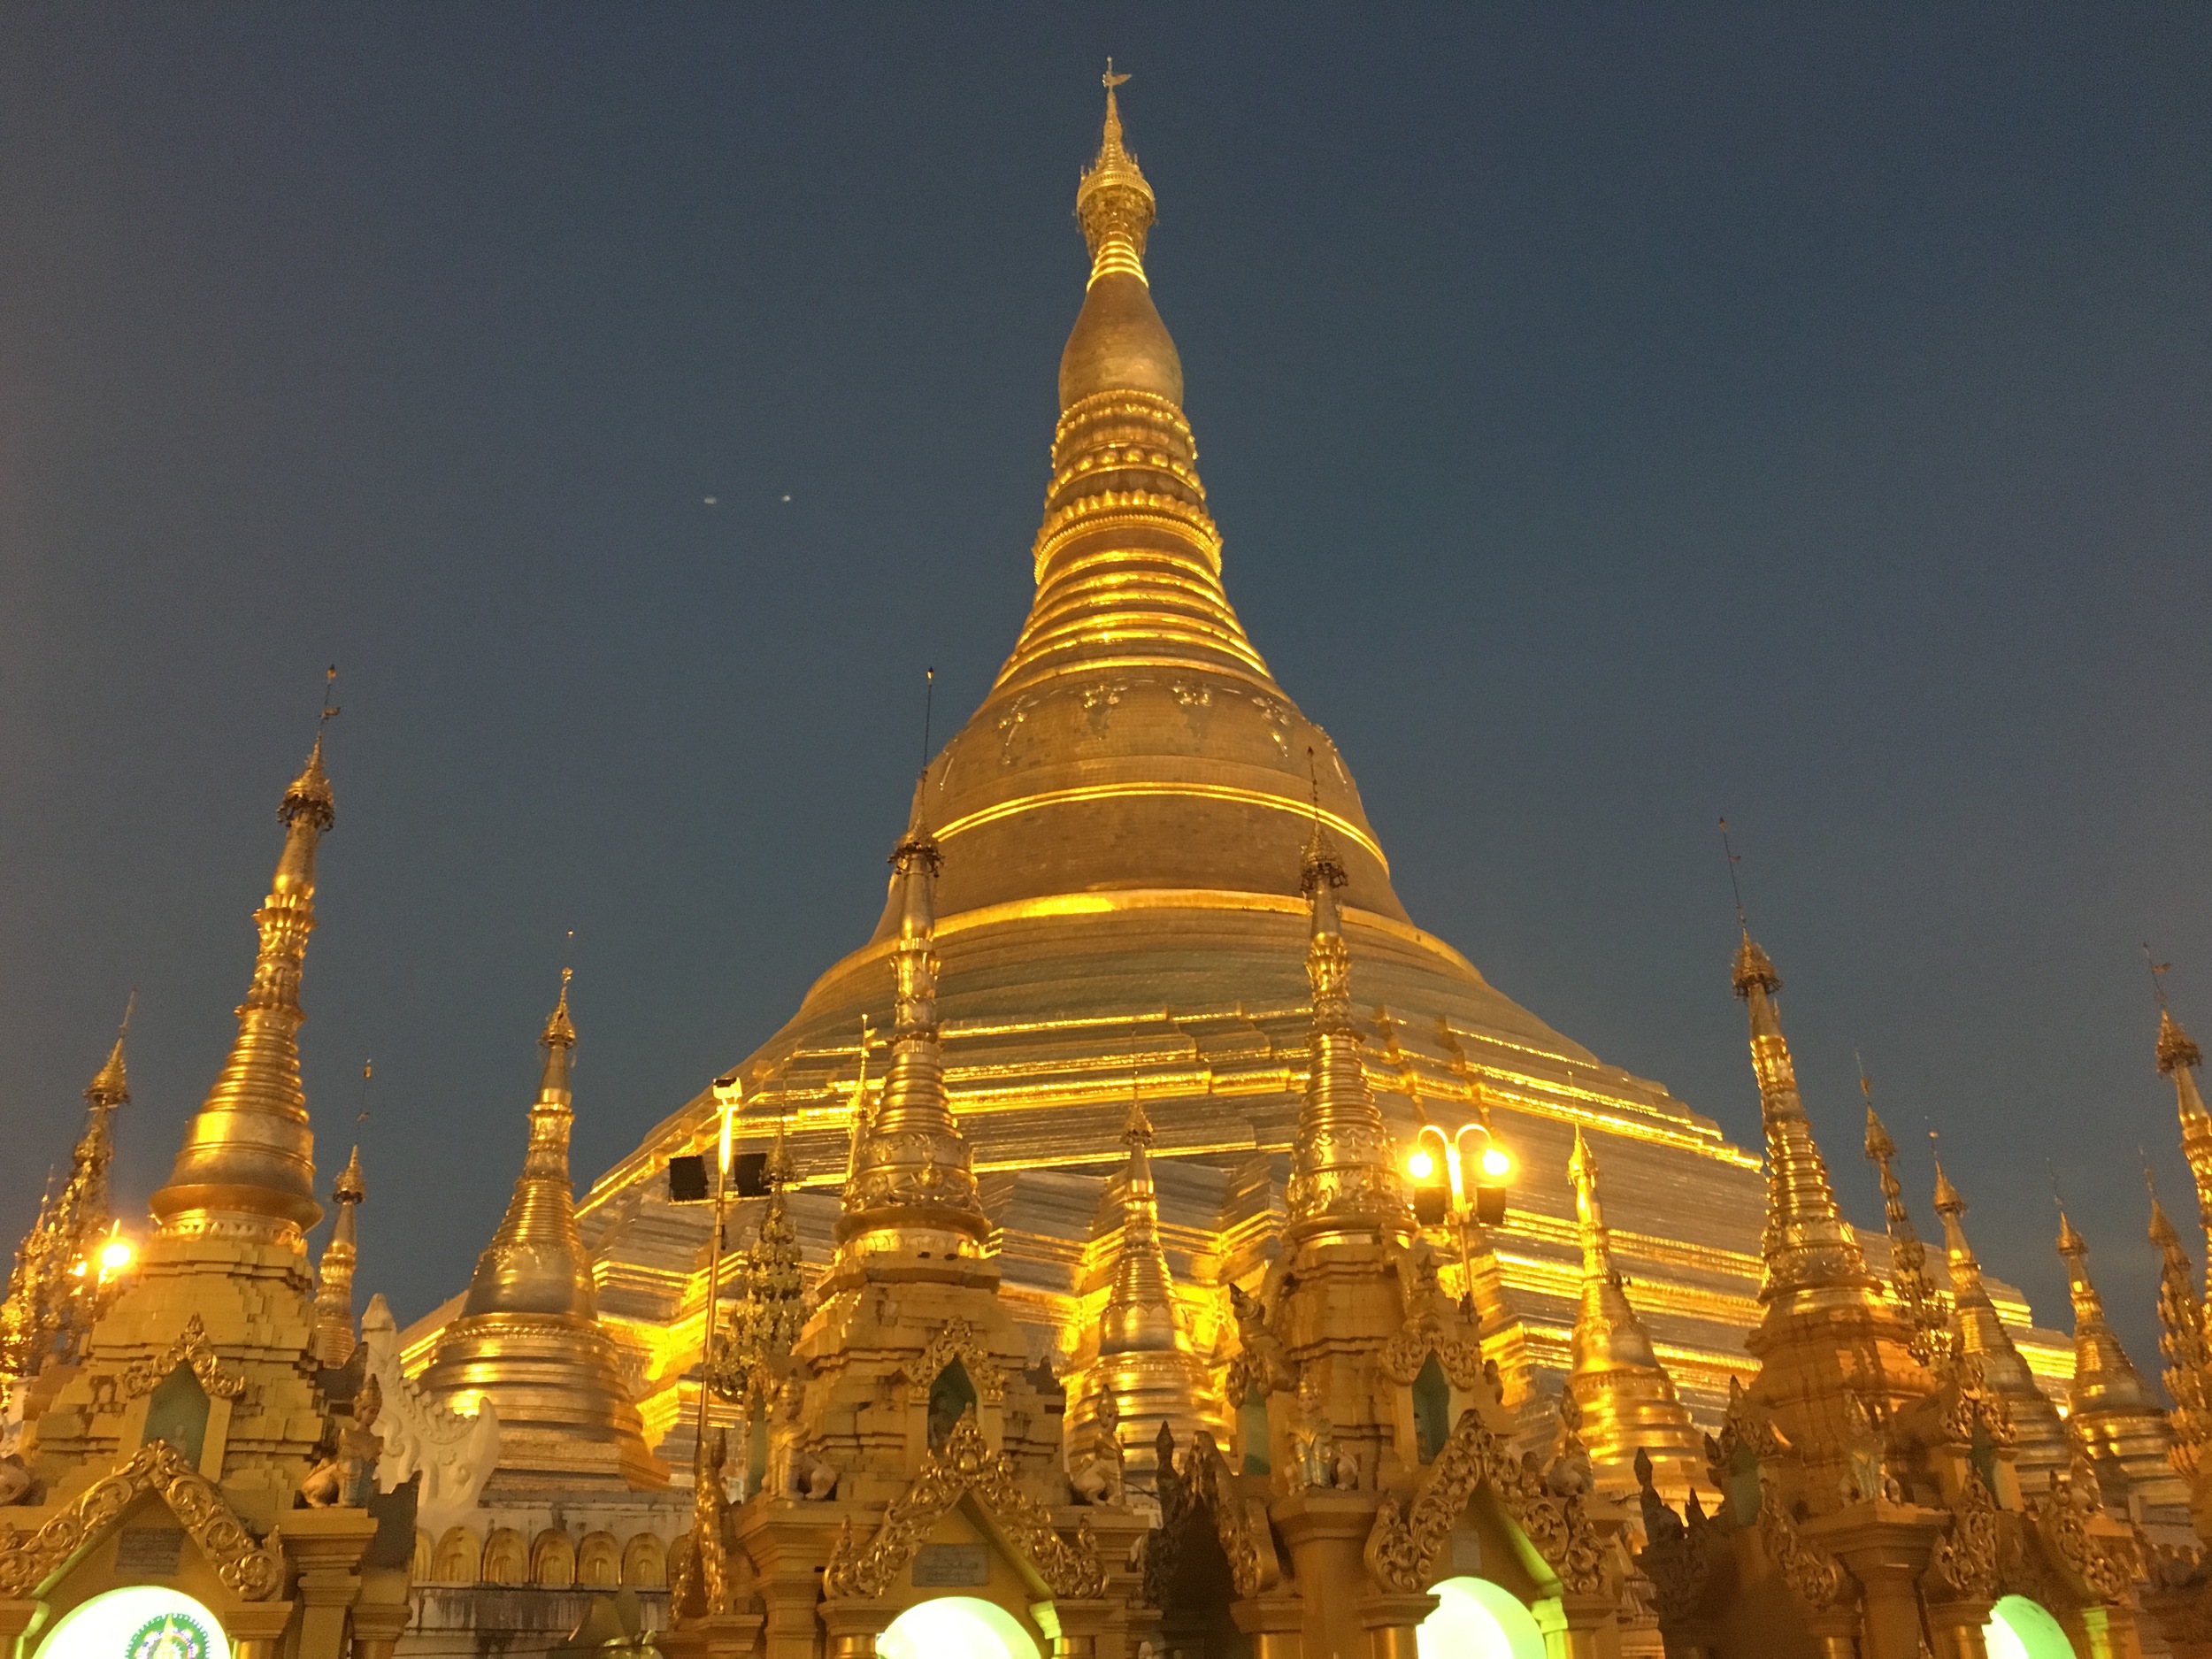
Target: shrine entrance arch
point(1476, 1619)
point(957, 1627)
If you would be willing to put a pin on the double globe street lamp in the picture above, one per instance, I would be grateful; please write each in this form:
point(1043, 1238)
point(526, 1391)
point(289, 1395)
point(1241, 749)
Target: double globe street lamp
point(1459, 1179)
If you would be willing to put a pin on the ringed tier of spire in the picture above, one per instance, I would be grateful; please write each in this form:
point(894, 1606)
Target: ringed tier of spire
point(528, 1337)
point(248, 1162)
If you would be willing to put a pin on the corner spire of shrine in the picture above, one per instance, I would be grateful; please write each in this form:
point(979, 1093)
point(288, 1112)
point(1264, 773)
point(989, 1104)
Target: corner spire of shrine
point(250, 1153)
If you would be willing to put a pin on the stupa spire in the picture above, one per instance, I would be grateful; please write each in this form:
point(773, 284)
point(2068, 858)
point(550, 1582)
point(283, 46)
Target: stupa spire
point(1141, 1314)
point(1343, 1177)
point(1127, 560)
point(1806, 1247)
point(249, 1158)
point(1627, 1399)
point(2178, 1059)
point(2109, 1404)
point(528, 1336)
point(1114, 204)
point(333, 1274)
point(2182, 1337)
point(1908, 1256)
point(771, 1308)
point(50, 1307)
point(2042, 1443)
point(912, 1189)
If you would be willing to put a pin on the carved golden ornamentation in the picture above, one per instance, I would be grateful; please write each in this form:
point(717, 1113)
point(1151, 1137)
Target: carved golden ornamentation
point(1403, 1356)
point(966, 1466)
point(1678, 1553)
point(2107, 1566)
point(959, 1341)
point(1202, 1483)
point(1817, 1576)
point(1963, 1567)
point(1402, 1546)
point(191, 1348)
point(250, 1570)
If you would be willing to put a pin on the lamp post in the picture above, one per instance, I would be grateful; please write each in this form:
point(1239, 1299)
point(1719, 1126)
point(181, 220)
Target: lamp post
point(1460, 1177)
point(729, 1093)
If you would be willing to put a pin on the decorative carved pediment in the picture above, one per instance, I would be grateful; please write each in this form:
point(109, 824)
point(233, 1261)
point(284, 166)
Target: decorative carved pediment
point(253, 1573)
point(1202, 1489)
point(966, 1466)
point(1817, 1577)
point(191, 1348)
point(1402, 1547)
point(1964, 1565)
point(1403, 1356)
point(957, 1339)
point(2071, 1524)
point(1678, 1550)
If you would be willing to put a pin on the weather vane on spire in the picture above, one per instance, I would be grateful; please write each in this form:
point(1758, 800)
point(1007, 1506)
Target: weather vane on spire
point(2159, 970)
point(330, 684)
point(1734, 858)
point(1109, 79)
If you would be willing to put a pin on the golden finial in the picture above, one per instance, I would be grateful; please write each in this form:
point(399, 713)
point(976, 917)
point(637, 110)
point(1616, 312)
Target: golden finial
point(349, 1188)
point(1138, 1131)
point(1113, 204)
point(560, 1032)
point(1322, 866)
point(110, 1085)
point(310, 796)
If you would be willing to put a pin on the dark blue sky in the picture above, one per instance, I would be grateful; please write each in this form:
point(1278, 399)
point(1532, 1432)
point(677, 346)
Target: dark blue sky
point(1618, 417)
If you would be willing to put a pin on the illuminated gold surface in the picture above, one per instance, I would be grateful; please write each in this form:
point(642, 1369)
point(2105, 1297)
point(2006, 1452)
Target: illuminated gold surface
point(224, 1280)
point(1143, 1355)
point(912, 1185)
point(2178, 1059)
point(51, 1303)
point(2109, 1404)
point(2042, 1447)
point(1628, 1401)
point(528, 1338)
point(1829, 1344)
point(248, 1158)
point(2186, 1342)
point(333, 1274)
point(1343, 1169)
point(1122, 822)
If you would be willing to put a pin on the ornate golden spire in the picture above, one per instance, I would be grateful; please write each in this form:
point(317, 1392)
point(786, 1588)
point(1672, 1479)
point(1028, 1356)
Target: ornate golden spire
point(2043, 1445)
point(1908, 1257)
point(1807, 1247)
point(1144, 1375)
point(247, 1163)
point(1343, 1177)
point(2178, 1059)
point(1127, 560)
point(912, 1189)
point(528, 1337)
point(1626, 1398)
point(772, 1301)
point(2182, 1339)
point(1140, 1313)
point(2109, 1404)
point(333, 1275)
point(55, 1291)
point(1114, 205)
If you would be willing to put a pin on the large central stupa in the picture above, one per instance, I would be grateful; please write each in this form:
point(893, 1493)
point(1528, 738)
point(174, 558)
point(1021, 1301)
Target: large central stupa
point(1121, 824)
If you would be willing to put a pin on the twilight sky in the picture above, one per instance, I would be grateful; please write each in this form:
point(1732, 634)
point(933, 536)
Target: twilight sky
point(1617, 416)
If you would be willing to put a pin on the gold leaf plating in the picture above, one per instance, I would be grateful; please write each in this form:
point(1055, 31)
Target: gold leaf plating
point(966, 1466)
point(191, 1348)
point(250, 1572)
point(1402, 1547)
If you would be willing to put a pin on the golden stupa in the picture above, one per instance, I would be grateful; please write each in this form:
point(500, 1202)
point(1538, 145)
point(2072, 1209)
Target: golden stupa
point(1121, 824)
